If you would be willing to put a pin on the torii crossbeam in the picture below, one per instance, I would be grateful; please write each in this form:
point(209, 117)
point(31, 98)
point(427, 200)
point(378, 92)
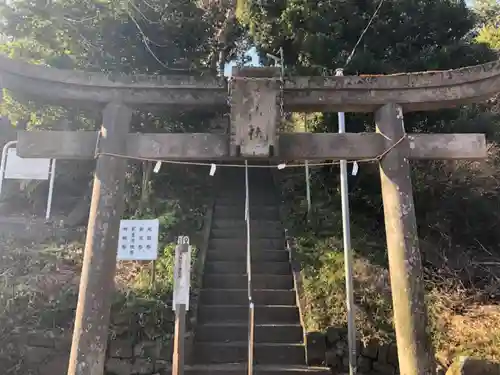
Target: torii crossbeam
point(254, 118)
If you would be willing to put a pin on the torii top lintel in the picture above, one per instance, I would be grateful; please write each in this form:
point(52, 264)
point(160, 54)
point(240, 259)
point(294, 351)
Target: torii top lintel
point(414, 91)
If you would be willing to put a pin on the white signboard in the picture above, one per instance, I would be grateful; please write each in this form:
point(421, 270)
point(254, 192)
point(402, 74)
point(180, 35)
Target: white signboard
point(14, 167)
point(182, 273)
point(138, 240)
point(25, 168)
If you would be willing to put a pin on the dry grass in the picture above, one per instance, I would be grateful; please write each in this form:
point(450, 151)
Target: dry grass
point(142, 306)
point(463, 324)
point(34, 276)
point(39, 287)
point(457, 215)
point(324, 292)
point(462, 320)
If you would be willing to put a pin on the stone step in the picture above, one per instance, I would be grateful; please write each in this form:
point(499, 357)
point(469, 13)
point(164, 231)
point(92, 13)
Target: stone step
point(229, 281)
point(240, 224)
point(234, 212)
point(255, 205)
point(240, 297)
point(239, 314)
point(241, 243)
point(256, 190)
point(236, 185)
point(241, 232)
point(257, 198)
point(241, 369)
point(256, 255)
point(264, 333)
point(237, 352)
point(240, 268)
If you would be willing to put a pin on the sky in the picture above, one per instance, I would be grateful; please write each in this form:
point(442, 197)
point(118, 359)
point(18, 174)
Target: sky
point(252, 52)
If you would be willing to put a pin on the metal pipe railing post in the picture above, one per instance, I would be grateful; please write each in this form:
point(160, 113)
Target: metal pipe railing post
point(348, 257)
point(3, 162)
point(251, 311)
point(308, 178)
point(308, 189)
point(51, 188)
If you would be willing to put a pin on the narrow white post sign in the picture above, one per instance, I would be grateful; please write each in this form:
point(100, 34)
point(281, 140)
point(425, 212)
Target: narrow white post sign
point(182, 273)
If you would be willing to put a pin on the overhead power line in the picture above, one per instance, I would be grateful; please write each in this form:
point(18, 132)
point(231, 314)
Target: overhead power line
point(363, 33)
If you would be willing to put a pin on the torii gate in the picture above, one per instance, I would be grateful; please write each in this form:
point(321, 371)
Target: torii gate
point(254, 105)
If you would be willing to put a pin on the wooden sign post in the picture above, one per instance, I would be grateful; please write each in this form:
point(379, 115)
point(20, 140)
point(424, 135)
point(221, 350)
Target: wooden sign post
point(180, 304)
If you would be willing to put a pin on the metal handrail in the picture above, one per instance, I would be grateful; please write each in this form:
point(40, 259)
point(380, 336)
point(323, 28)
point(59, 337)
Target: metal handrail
point(348, 256)
point(3, 162)
point(251, 310)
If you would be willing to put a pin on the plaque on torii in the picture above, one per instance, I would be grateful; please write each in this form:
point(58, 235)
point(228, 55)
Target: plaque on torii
point(255, 118)
point(255, 102)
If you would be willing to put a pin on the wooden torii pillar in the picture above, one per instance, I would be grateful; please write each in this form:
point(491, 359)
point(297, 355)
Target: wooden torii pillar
point(253, 107)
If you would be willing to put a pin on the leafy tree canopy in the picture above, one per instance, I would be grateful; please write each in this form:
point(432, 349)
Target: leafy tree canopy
point(489, 14)
point(404, 36)
point(116, 37)
point(487, 10)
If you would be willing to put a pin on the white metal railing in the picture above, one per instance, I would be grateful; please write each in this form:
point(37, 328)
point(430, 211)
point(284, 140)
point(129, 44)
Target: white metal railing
point(251, 310)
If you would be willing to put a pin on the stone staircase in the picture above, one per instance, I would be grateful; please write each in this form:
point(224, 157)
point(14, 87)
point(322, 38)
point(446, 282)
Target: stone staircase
point(221, 338)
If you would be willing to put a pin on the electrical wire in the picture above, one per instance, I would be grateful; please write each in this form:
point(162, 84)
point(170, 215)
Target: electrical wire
point(363, 33)
point(136, 8)
point(279, 166)
point(146, 40)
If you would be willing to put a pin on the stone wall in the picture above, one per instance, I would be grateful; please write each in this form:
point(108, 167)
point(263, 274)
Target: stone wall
point(140, 340)
point(144, 357)
point(47, 353)
point(331, 348)
point(37, 353)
